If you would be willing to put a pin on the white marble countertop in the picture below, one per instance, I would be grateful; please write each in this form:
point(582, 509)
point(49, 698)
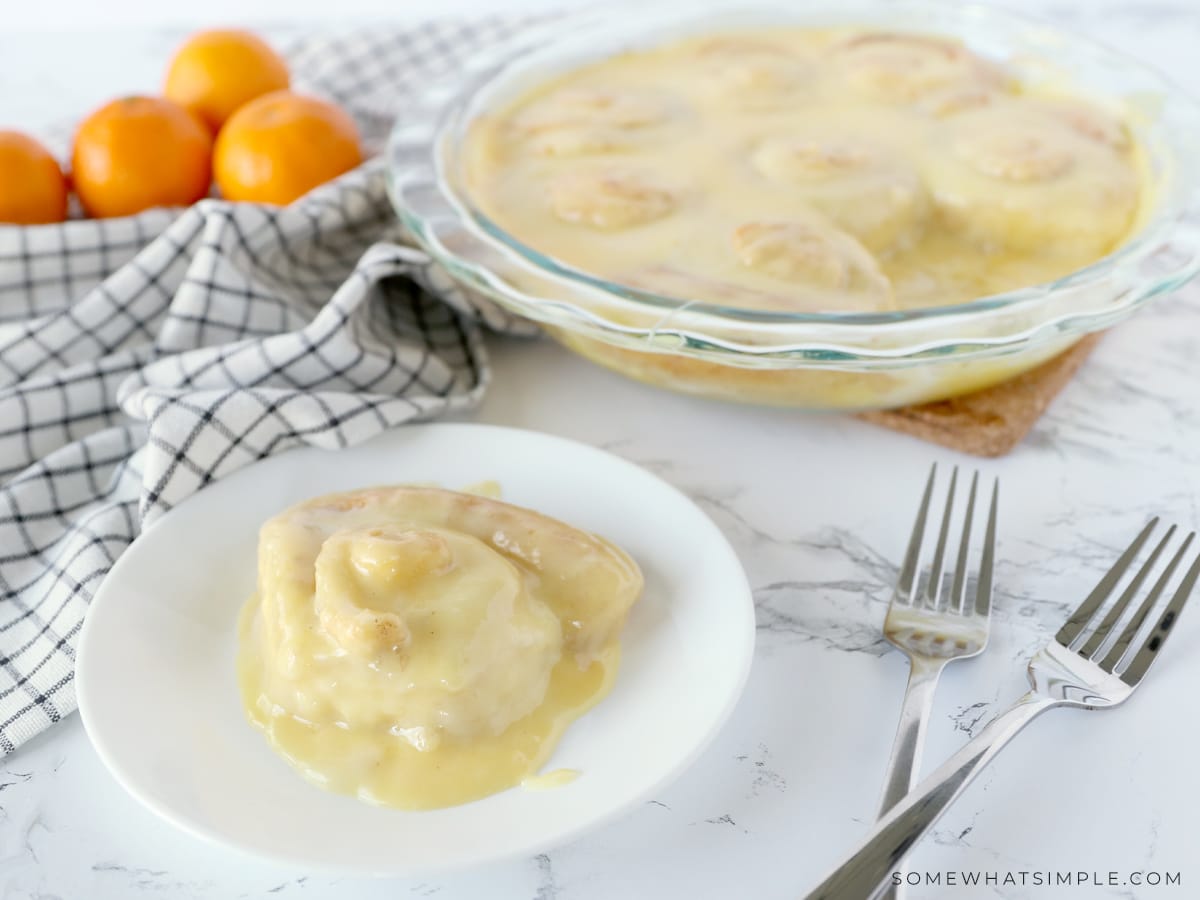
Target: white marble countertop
point(819, 508)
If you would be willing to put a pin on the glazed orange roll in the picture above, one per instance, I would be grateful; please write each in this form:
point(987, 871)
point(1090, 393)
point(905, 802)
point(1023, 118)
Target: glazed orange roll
point(421, 647)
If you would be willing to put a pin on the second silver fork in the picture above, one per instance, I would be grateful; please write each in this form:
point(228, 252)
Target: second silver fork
point(933, 625)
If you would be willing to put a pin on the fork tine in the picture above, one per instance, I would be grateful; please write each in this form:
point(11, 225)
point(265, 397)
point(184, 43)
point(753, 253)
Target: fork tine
point(1162, 630)
point(1114, 655)
point(1093, 644)
point(933, 588)
point(906, 583)
point(983, 587)
point(958, 590)
point(1087, 609)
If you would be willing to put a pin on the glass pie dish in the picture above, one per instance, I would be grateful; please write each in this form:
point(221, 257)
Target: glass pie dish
point(814, 360)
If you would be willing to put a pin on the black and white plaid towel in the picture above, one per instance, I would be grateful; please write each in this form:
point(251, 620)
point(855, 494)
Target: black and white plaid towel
point(142, 358)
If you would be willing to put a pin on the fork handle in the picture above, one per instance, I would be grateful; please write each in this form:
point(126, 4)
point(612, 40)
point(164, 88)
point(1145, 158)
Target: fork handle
point(910, 733)
point(905, 763)
point(895, 834)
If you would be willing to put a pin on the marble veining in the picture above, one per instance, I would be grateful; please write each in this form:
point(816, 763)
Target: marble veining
point(819, 508)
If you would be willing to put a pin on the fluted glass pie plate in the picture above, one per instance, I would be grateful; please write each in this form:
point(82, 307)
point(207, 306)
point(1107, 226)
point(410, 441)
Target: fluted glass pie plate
point(857, 360)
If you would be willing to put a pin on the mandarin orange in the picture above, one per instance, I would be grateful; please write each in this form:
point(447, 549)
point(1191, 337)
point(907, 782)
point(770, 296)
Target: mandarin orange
point(139, 152)
point(281, 146)
point(216, 72)
point(33, 189)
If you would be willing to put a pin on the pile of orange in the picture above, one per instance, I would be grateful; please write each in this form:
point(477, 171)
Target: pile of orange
point(226, 115)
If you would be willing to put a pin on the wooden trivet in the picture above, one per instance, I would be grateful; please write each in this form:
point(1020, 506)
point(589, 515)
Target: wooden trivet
point(992, 421)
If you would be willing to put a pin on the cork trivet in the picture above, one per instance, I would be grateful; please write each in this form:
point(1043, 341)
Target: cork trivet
point(992, 421)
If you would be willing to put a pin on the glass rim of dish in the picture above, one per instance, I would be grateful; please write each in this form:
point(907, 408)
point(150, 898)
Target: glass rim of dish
point(453, 105)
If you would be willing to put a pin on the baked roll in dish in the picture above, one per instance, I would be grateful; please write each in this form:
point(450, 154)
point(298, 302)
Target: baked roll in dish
point(581, 122)
point(902, 68)
point(755, 74)
point(1030, 176)
point(421, 648)
point(864, 186)
point(789, 264)
point(610, 198)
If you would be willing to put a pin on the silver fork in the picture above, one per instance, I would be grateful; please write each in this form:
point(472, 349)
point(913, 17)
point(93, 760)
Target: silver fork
point(1095, 661)
point(934, 626)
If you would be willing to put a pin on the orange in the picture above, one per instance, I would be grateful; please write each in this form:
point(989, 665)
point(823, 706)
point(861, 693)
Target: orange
point(140, 152)
point(215, 72)
point(281, 146)
point(33, 189)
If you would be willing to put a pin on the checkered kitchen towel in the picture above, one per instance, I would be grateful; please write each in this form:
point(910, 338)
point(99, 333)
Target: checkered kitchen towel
point(142, 358)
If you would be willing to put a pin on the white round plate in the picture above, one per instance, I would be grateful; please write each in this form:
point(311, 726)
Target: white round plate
point(159, 699)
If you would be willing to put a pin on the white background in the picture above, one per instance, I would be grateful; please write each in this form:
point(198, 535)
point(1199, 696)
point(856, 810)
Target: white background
point(111, 14)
